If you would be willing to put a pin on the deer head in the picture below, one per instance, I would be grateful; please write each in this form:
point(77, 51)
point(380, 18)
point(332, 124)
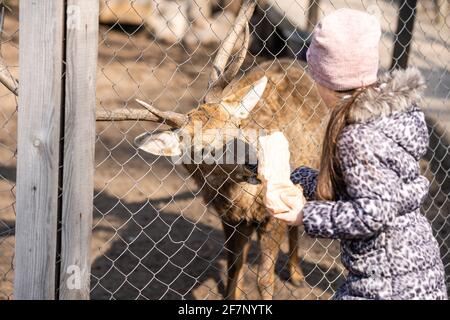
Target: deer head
point(215, 124)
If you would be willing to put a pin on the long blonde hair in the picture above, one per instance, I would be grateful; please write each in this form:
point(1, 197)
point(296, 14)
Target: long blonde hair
point(330, 180)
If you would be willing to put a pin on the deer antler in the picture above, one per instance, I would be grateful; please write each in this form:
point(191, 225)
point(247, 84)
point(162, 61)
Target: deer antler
point(7, 79)
point(220, 77)
point(124, 115)
point(173, 119)
point(170, 118)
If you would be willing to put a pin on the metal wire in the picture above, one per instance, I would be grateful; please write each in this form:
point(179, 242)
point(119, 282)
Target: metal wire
point(9, 51)
point(154, 235)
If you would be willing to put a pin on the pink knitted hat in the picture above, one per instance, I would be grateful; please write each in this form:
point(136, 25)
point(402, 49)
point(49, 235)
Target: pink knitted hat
point(343, 54)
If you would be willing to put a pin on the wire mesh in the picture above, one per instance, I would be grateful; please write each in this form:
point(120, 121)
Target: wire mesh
point(164, 240)
point(155, 234)
point(9, 52)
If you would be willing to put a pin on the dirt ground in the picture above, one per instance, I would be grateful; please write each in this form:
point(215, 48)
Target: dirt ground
point(153, 236)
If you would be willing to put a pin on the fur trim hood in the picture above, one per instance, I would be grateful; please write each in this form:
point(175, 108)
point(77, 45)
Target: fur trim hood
point(395, 91)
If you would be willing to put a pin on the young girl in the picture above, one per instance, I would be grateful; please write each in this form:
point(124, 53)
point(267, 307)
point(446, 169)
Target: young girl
point(368, 190)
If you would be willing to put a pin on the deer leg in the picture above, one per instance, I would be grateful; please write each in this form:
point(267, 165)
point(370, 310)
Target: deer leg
point(237, 242)
point(270, 237)
point(294, 268)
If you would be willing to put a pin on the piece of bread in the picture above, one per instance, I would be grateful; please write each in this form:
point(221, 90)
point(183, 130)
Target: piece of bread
point(273, 159)
point(274, 171)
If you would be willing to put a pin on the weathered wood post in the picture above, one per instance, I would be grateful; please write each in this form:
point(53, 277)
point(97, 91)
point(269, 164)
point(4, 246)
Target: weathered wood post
point(56, 128)
point(39, 120)
point(403, 35)
point(79, 142)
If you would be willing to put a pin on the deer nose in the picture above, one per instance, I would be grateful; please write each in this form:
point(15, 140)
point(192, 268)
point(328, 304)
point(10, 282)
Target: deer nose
point(253, 168)
point(251, 172)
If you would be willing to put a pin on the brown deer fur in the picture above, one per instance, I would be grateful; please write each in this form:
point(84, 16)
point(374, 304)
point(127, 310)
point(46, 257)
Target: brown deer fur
point(289, 103)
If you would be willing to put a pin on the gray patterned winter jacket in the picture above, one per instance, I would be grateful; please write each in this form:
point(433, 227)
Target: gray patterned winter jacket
point(387, 244)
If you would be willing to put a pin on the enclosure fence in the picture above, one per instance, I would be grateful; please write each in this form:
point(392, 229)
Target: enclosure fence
point(8, 149)
point(119, 223)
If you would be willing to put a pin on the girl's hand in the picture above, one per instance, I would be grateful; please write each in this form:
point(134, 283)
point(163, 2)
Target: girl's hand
point(272, 197)
point(295, 214)
point(285, 202)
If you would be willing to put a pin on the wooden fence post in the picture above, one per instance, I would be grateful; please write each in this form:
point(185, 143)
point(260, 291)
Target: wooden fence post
point(403, 35)
point(79, 141)
point(56, 136)
point(39, 119)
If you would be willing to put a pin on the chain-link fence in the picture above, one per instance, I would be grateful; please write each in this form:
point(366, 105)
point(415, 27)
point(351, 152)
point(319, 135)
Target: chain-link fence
point(160, 234)
point(9, 53)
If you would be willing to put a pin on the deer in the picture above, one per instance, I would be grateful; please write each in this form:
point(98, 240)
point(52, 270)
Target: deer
point(276, 96)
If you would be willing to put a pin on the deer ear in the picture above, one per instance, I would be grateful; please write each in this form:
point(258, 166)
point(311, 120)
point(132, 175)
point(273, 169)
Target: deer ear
point(241, 103)
point(165, 143)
